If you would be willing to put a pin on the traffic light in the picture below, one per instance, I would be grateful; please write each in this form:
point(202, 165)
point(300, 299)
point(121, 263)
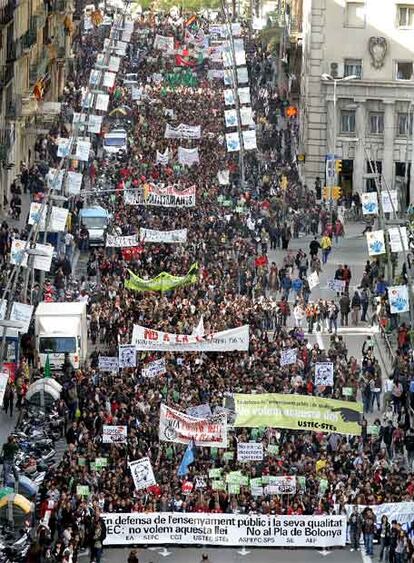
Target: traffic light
point(338, 166)
point(326, 192)
point(336, 192)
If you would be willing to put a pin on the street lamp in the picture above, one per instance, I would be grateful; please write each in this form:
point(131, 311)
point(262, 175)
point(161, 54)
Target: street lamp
point(329, 78)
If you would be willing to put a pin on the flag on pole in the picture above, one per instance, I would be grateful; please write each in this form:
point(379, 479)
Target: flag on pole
point(47, 371)
point(188, 459)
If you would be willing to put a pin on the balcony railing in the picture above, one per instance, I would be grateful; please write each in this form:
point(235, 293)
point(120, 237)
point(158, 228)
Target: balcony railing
point(6, 13)
point(14, 108)
point(29, 39)
point(39, 68)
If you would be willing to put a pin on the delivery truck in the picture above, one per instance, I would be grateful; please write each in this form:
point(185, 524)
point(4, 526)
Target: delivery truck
point(61, 328)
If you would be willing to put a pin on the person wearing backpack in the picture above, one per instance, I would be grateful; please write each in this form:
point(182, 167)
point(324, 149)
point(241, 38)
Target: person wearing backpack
point(356, 307)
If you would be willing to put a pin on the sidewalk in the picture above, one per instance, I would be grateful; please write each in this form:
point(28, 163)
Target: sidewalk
point(22, 222)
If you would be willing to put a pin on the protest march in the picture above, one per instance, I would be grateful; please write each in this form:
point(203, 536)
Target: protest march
point(202, 414)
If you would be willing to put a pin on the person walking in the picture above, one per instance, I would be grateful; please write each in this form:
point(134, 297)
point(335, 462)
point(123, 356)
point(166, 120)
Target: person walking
point(333, 317)
point(368, 529)
point(356, 307)
point(385, 538)
point(133, 557)
point(355, 525)
point(345, 308)
point(98, 535)
point(326, 245)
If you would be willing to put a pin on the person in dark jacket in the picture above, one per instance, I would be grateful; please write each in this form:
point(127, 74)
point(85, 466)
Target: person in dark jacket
point(385, 538)
point(98, 535)
point(354, 524)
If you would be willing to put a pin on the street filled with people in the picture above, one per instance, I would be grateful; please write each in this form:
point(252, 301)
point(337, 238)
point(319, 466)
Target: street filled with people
point(151, 420)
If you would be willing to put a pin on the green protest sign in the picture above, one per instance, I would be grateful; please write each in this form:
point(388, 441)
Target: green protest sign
point(233, 488)
point(244, 480)
point(218, 486)
point(323, 485)
point(82, 490)
point(272, 449)
point(255, 482)
point(301, 481)
point(92, 466)
point(347, 391)
point(81, 461)
point(214, 473)
point(101, 462)
point(228, 456)
point(233, 477)
point(373, 430)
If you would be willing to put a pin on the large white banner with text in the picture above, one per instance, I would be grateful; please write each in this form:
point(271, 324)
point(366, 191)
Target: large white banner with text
point(152, 235)
point(224, 529)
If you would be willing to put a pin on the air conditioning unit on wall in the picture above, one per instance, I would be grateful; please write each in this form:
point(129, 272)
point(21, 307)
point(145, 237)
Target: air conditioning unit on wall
point(336, 70)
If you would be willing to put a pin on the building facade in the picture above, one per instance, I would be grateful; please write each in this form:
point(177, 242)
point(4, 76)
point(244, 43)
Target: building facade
point(35, 47)
point(367, 121)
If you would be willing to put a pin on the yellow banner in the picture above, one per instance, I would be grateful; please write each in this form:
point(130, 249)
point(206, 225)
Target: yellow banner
point(298, 412)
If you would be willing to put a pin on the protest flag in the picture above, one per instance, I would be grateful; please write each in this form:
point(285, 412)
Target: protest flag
point(163, 282)
point(188, 459)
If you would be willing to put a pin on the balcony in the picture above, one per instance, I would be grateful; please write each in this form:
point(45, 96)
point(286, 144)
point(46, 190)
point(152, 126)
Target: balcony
point(6, 74)
point(29, 39)
point(14, 51)
point(39, 68)
point(14, 108)
point(61, 6)
point(6, 13)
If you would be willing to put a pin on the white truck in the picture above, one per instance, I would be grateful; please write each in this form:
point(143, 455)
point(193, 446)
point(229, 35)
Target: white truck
point(61, 328)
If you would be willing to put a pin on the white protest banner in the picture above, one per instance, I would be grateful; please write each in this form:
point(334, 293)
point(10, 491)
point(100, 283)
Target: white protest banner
point(162, 196)
point(95, 124)
point(389, 201)
point(215, 74)
point(109, 79)
point(153, 369)
point(285, 485)
point(399, 299)
point(223, 177)
point(244, 95)
point(146, 339)
point(198, 330)
point(230, 117)
point(337, 285)
point(249, 451)
point(22, 313)
point(163, 157)
point(57, 221)
point(181, 428)
point(188, 157)
point(127, 356)
point(288, 357)
point(4, 378)
point(242, 75)
point(114, 434)
point(78, 118)
point(376, 243)
point(224, 529)
point(228, 97)
point(395, 235)
point(151, 235)
point(324, 373)
point(142, 473)
point(369, 202)
point(200, 411)
point(43, 261)
point(102, 102)
point(82, 150)
point(249, 140)
point(118, 241)
point(73, 182)
point(182, 131)
point(163, 43)
point(402, 512)
point(313, 280)
point(233, 142)
point(108, 363)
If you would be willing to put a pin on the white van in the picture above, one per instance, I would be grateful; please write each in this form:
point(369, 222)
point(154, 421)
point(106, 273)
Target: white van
point(115, 141)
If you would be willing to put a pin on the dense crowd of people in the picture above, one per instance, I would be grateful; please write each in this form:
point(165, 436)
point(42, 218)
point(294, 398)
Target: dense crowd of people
point(231, 231)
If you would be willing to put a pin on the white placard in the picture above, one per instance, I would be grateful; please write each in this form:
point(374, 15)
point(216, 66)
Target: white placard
point(233, 142)
point(18, 256)
point(73, 182)
point(398, 299)
point(102, 102)
point(249, 140)
point(109, 79)
point(169, 237)
point(142, 473)
point(285, 485)
point(55, 178)
point(108, 363)
point(229, 97)
point(43, 263)
point(249, 451)
point(376, 243)
point(223, 177)
point(114, 63)
point(288, 357)
point(369, 202)
point(230, 116)
point(95, 124)
point(389, 201)
point(114, 434)
point(324, 374)
point(337, 285)
point(244, 95)
point(127, 356)
point(154, 369)
point(395, 239)
point(165, 528)
point(313, 280)
point(188, 157)
point(82, 150)
point(246, 116)
point(64, 147)
point(23, 313)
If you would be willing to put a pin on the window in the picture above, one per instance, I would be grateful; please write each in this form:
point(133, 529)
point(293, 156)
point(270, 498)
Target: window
point(404, 70)
point(376, 123)
point(373, 167)
point(347, 121)
point(355, 14)
point(404, 125)
point(405, 16)
point(353, 67)
point(57, 345)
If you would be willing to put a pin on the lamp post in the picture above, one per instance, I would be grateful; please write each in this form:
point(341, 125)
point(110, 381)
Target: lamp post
point(332, 149)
